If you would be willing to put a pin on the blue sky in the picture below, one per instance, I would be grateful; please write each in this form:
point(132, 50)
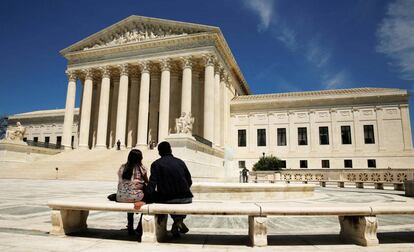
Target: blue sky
point(280, 45)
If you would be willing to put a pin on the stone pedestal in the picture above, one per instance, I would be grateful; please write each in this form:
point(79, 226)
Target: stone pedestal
point(409, 188)
point(68, 221)
point(258, 231)
point(360, 230)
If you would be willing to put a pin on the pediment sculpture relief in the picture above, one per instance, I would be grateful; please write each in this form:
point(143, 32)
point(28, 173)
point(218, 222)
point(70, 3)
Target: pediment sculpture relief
point(136, 35)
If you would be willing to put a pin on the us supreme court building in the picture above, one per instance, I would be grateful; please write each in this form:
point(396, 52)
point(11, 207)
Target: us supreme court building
point(139, 75)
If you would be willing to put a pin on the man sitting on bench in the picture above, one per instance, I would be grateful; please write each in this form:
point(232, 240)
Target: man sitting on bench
point(169, 183)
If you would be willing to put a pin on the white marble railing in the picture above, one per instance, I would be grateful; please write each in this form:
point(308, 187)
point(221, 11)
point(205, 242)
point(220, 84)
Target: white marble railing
point(351, 175)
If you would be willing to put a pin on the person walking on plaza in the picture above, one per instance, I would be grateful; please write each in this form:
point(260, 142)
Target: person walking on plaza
point(132, 177)
point(245, 175)
point(170, 183)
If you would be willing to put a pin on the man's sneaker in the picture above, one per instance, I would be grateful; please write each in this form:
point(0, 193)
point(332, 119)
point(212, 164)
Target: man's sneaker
point(182, 227)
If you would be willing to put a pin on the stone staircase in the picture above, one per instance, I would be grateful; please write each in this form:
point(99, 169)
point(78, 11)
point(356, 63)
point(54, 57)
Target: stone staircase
point(74, 165)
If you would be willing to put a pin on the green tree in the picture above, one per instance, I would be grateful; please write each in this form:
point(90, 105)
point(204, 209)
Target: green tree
point(268, 163)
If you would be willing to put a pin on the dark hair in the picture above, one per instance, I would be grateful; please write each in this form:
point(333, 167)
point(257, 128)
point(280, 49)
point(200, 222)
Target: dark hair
point(164, 148)
point(134, 158)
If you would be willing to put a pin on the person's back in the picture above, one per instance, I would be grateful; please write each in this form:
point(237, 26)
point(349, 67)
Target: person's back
point(170, 183)
point(171, 178)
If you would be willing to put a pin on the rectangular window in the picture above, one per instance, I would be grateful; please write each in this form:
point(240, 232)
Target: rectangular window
point(242, 164)
point(261, 137)
point(302, 136)
point(348, 163)
point(35, 139)
point(323, 136)
point(303, 163)
point(346, 134)
point(282, 163)
point(372, 163)
point(369, 134)
point(241, 138)
point(325, 163)
point(47, 139)
point(24, 139)
point(281, 137)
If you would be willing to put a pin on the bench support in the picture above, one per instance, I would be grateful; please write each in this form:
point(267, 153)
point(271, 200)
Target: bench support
point(359, 185)
point(68, 221)
point(379, 186)
point(258, 231)
point(398, 186)
point(322, 183)
point(360, 230)
point(341, 184)
point(154, 228)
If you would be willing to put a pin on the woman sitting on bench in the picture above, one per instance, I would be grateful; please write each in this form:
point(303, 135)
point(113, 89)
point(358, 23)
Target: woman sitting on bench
point(132, 178)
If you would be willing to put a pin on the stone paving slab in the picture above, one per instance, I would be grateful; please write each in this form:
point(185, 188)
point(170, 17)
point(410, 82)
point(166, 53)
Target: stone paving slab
point(24, 224)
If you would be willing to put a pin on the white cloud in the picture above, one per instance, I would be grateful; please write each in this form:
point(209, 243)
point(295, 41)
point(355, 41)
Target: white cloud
point(336, 80)
point(287, 36)
point(316, 54)
point(396, 37)
point(262, 8)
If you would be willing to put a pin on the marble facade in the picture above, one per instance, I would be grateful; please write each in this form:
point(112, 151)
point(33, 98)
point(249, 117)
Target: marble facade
point(136, 77)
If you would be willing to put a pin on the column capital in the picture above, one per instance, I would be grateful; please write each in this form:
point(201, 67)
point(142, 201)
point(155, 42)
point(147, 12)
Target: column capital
point(88, 73)
point(123, 69)
point(209, 60)
point(403, 106)
point(218, 69)
point(165, 64)
point(71, 75)
point(144, 66)
point(186, 62)
point(105, 71)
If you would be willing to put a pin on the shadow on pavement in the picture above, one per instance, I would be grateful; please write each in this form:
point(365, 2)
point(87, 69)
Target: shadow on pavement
point(240, 240)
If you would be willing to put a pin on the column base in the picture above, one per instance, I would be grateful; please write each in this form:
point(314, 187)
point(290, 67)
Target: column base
point(101, 147)
point(83, 147)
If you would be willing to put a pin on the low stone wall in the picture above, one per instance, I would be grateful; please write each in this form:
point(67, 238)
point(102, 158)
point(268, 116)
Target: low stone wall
point(351, 175)
point(250, 192)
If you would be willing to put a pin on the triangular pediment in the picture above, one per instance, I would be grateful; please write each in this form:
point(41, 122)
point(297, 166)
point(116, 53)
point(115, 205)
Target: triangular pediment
point(137, 29)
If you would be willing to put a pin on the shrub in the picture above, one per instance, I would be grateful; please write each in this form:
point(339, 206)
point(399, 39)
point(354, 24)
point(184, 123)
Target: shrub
point(267, 163)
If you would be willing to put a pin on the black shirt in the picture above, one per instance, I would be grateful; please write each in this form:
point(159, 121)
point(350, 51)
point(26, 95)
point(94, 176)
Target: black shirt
point(170, 179)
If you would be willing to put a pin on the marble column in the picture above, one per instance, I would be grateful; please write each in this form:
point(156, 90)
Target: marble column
point(186, 63)
point(217, 111)
point(113, 107)
point(132, 111)
point(103, 108)
point(69, 110)
point(223, 113)
point(209, 98)
point(122, 106)
point(86, 110)
point(164, 114)
point(143, 104)
point(406, 127)
point(336, 133)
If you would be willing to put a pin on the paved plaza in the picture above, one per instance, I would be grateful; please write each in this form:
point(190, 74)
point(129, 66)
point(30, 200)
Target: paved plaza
point(25, 223)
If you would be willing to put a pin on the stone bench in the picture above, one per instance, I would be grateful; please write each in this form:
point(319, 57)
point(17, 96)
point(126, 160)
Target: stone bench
point(358, 222)
point(398, 186)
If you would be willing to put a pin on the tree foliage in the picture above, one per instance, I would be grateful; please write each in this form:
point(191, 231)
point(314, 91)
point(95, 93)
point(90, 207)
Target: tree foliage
point(268, 163)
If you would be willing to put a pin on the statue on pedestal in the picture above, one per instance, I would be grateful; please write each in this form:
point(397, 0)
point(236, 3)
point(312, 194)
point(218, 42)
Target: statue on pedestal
point(184, 124)
point(15, 134)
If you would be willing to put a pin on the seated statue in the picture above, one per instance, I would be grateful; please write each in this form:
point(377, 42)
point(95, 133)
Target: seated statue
point(184, 124)
point(16, 133)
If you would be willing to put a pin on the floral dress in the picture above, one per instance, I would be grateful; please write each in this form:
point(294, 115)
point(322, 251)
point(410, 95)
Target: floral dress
point(131, 190)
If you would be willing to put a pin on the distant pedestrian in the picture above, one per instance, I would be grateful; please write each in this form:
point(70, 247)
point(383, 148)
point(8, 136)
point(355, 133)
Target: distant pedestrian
point(118, 145)
point(245, 175)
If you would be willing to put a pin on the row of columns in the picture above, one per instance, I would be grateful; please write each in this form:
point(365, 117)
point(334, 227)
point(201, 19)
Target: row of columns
point(214, 108)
